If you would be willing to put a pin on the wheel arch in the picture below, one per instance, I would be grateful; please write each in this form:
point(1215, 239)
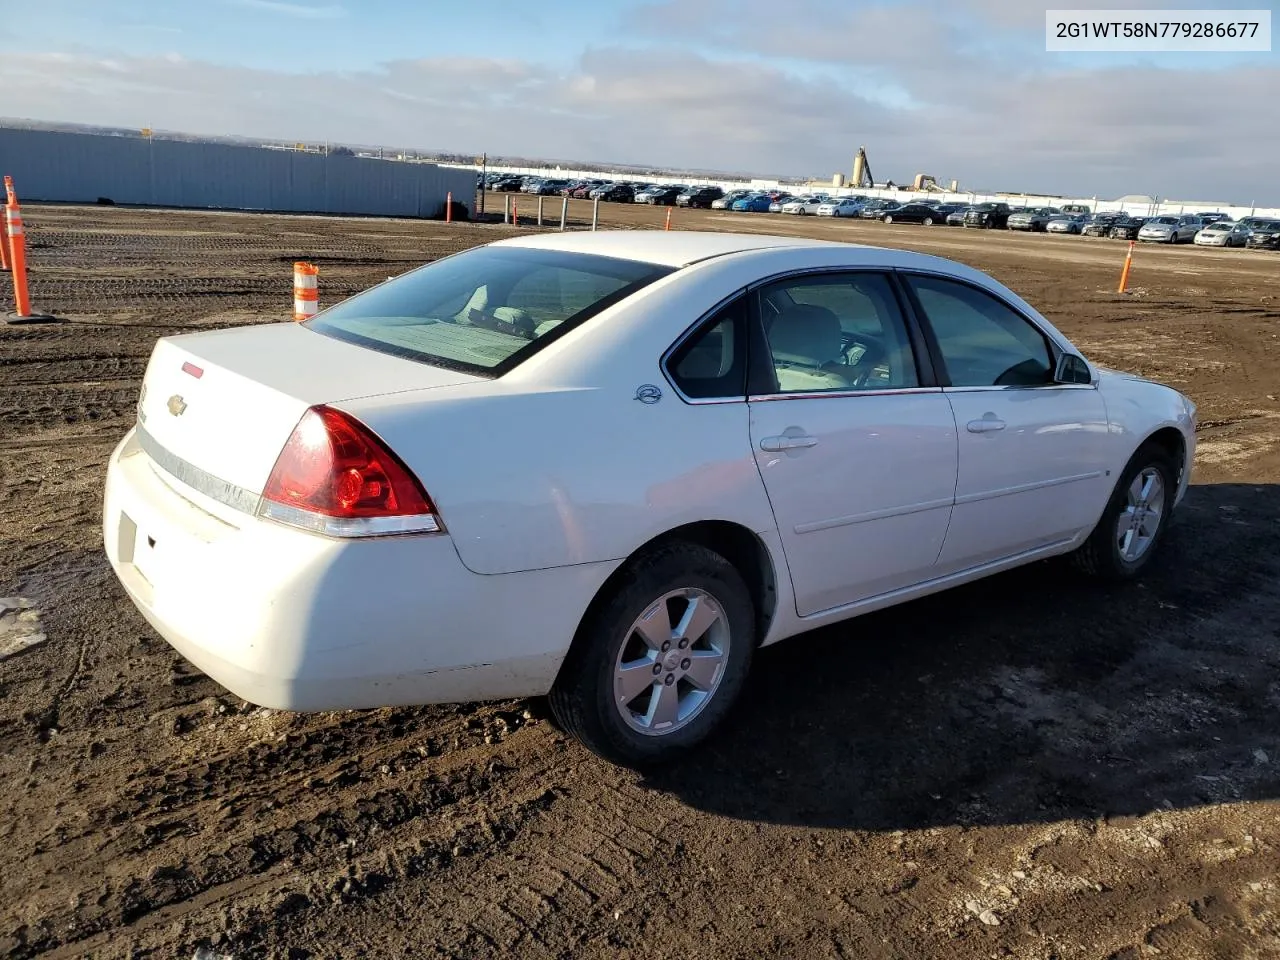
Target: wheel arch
point(1171, 440)
point(736, 543)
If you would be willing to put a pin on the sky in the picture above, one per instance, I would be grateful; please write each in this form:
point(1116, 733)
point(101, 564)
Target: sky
point(959, 89)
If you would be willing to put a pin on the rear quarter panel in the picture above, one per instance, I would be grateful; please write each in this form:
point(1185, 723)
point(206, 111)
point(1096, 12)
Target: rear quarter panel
point(525, 479)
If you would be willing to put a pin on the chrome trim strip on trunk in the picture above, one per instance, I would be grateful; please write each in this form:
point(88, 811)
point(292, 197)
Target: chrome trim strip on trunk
point(197, 479)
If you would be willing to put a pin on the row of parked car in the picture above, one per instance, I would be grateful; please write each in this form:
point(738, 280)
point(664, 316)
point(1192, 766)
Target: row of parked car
point(617, 191)
point(1202, 229)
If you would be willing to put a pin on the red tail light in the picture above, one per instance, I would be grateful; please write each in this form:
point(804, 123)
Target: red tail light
point(335, 477)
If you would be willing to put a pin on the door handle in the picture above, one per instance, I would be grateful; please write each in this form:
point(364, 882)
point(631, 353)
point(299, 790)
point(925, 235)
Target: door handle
point(778, 444)
point(988, 424)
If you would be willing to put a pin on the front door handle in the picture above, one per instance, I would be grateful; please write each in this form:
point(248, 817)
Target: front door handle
point(778, 444)
point(988, 424)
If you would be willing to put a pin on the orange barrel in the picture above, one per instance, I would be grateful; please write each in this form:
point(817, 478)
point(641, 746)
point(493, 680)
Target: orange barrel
point(306, 292)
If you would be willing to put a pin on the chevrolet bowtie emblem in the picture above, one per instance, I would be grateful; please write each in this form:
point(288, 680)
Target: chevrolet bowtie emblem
point(177, 405)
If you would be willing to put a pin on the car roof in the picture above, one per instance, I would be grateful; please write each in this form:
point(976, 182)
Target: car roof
point(674, 248)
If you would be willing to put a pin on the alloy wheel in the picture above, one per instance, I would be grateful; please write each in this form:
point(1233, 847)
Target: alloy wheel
point(671, 662)
point(1143, 512)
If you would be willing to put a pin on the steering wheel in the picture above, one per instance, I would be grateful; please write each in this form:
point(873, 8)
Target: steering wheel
point(858, 371)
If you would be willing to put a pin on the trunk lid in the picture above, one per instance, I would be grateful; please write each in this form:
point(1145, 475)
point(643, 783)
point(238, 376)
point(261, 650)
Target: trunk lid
point(225, 402)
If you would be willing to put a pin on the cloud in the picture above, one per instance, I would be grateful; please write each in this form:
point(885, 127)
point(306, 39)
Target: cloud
point(615, 104)
point(980, 99)
point(302, 11)
point(923, 95)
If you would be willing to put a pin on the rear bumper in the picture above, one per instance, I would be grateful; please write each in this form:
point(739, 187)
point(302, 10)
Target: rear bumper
point(290, 620)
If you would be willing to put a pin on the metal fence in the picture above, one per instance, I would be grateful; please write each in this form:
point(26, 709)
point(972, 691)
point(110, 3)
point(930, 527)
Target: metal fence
point(82, 168)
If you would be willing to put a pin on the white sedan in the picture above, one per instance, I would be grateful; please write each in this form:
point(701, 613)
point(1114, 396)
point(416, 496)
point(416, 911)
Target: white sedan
point(1224, 233)
point(843, 207)
point(804, 206)
point(552, 464)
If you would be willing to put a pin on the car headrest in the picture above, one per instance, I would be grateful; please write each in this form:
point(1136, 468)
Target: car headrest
point(806, 333)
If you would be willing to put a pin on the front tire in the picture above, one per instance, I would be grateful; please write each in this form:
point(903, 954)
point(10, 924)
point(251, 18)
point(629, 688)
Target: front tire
point(928, 221)
point(1133, 524)
point(888, 219)
point(659, 661)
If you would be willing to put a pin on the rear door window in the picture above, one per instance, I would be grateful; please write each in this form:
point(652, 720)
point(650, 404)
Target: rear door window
point(836, 332)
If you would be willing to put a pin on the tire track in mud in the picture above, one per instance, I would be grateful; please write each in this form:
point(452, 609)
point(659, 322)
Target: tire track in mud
point(322, 812)
point(558, 877)
point(29, 409)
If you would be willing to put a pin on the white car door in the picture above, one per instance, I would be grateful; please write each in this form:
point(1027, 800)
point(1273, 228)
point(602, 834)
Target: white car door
point(1033, 466)
point(857, 455)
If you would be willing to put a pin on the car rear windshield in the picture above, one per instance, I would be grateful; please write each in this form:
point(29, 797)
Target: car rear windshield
point(487, 309)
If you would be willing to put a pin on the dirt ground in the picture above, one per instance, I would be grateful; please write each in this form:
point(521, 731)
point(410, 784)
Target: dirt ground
point(1029, 767)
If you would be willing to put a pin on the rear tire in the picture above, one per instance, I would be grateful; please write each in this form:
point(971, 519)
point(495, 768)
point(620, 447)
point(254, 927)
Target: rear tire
point(1104, 555)
point(612, 646)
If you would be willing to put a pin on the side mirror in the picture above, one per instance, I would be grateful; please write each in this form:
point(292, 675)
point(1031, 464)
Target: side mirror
point(1072, 369)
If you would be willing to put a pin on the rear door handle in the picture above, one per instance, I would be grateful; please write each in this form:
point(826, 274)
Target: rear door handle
point(778, 444)
point(988, 424)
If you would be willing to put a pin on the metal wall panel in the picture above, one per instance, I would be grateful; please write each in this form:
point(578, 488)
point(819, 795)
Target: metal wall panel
point(80, 168)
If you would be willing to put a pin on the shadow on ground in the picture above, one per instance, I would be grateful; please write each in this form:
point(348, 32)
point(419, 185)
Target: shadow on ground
point(1032, 696)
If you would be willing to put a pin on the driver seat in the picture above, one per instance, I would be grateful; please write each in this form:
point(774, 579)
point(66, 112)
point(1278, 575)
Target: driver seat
point(807, 344)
